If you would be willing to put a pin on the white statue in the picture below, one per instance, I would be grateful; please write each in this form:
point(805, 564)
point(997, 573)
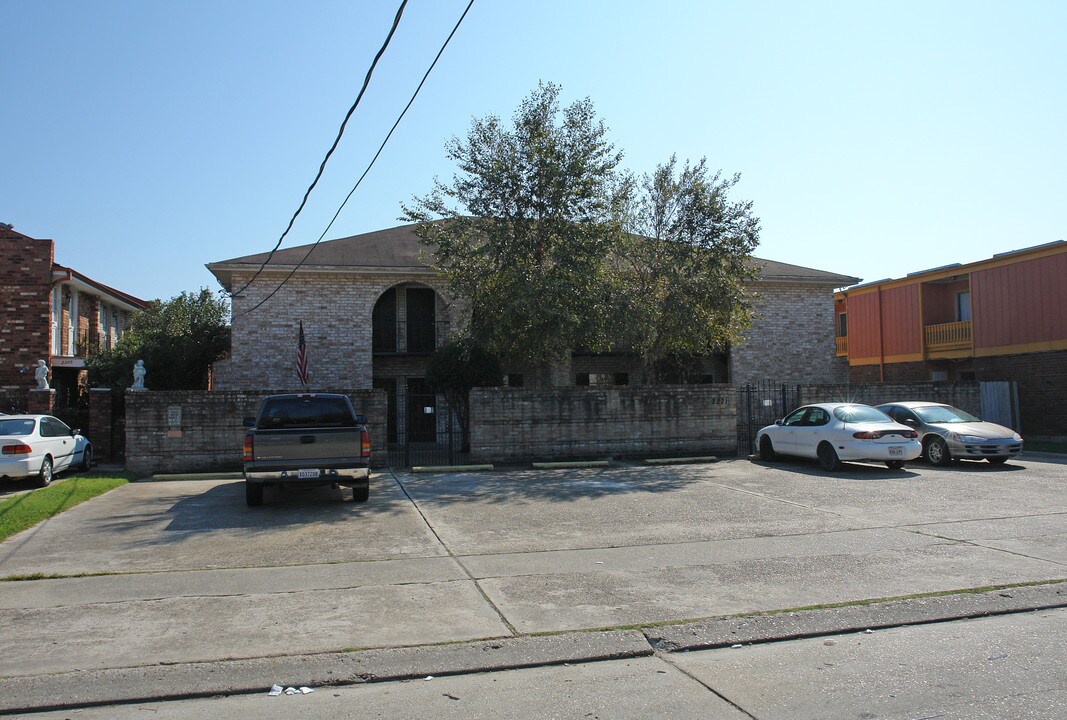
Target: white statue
point(41, 373)
point(138, 375)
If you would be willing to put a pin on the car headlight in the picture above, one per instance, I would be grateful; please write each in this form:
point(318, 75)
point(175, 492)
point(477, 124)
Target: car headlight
point(972, 439)
point(1017, 437)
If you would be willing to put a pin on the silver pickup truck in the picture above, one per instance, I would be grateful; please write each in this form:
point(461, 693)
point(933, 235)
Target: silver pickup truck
point(306, 439)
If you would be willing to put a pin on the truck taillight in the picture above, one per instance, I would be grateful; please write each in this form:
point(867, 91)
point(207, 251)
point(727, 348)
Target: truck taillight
point(364, 441)
point(248, 448)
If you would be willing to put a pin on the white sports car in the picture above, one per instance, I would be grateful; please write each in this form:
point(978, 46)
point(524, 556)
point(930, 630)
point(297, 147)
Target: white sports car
point(39, 446)
point(833, 432)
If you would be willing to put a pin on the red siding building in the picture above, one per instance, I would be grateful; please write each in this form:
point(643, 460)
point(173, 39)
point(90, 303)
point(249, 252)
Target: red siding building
point(1004, 318)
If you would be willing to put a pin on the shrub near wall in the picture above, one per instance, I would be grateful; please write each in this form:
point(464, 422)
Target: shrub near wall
point(522, 424)
point(202, 431)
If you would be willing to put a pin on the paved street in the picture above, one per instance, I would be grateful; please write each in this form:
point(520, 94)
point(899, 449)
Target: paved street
point(192, 575)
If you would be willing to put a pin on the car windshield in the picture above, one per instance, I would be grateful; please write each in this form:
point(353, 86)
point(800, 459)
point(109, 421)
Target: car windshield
point(943, 414)
point(17, 426)
point(860, 414)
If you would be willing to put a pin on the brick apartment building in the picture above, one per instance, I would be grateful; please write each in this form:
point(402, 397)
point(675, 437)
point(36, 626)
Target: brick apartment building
point(53, 313)
point(373, 310)
point(1004, 318)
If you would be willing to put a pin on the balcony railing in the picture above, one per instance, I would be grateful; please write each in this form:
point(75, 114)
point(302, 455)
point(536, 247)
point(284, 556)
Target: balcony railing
point(416, 336)
point(842, 346)
point(948, 335)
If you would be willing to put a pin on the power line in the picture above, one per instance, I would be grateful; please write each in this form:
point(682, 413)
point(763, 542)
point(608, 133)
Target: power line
point(365, 172)
point(337, 140)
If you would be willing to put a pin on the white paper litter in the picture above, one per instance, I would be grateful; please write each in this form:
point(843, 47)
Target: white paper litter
point(306, 690)
point(275, 690)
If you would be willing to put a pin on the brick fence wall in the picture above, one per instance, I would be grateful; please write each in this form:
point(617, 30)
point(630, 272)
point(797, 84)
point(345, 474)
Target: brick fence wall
point(518, 424)
point(198, 431)
point(1042, 379)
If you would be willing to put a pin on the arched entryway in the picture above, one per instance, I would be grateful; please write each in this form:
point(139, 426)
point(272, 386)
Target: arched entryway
point(410, 321)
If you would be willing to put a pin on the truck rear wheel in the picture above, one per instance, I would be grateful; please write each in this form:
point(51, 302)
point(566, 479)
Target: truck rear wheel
point(253, 494)
point(361, 494)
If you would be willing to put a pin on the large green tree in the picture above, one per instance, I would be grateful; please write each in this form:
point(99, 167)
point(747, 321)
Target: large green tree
point(552, 247)
point(683, 263)
point(178, 339)
point(522, 229)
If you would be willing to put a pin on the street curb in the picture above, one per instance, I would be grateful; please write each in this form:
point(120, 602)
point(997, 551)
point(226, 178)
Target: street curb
point(778, 627)
point(570, 465)
point(449, 468)
point(178, 681)
point(88, 688)
point(164, 477)
point(681, 460)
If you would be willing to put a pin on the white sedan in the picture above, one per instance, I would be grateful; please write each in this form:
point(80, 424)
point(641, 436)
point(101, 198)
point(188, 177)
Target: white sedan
point(39, 446)
point(833, 432)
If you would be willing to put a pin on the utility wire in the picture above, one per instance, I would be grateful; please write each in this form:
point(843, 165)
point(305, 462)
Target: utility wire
point(365, 172)
point(337, 140)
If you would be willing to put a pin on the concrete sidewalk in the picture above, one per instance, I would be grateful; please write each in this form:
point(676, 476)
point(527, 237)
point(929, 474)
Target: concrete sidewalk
point(255, 676)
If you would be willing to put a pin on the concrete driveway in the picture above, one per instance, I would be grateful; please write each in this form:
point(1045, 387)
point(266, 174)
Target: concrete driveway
point(188, 573)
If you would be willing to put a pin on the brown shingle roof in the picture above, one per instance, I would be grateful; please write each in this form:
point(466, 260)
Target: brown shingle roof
point(399, 249)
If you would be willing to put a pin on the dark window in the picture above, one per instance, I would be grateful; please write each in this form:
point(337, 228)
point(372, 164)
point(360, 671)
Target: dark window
point(622, 378)
point(307, 412)
point(422, 411)
point(842, 325)
point(51, 427)
point(383, 322)
point(421, 315)
point(818, 416)
point(581, 379)
point(967, 376)
point(514, 380)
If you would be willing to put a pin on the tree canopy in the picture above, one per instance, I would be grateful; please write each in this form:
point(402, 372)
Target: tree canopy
point(178, 339)
point(552, 247)
point(684, 260)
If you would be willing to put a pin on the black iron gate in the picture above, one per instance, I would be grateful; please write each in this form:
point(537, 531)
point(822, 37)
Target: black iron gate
point(422, 428)
point(759, 405)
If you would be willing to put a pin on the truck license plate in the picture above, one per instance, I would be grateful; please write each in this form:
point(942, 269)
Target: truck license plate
point(307, 473)
point(896, 450)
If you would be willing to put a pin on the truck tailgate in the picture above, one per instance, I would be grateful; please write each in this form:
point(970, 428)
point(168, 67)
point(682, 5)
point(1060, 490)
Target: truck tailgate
point(321, 446)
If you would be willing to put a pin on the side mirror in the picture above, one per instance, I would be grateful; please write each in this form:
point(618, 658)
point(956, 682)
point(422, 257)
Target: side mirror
point(778, 421)
point(361, 419)
point(75, 431)
point(249, 422)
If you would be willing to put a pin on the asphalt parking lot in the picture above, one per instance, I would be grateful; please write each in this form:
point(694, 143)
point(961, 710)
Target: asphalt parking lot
point(179, 572)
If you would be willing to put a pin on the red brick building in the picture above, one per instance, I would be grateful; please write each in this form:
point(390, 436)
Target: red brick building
point(53, 313)
point(1004, 318)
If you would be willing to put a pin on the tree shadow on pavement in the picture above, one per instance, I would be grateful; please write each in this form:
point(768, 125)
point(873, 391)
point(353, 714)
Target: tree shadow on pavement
point(559, 485)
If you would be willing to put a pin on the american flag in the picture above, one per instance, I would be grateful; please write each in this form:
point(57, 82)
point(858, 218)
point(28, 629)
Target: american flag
point(302, 357)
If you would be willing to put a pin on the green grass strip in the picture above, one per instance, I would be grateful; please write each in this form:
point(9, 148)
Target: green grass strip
point(22, 512)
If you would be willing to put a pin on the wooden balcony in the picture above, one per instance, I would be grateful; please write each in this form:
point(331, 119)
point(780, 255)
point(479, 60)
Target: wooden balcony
point(842, 346)
point(948, 336)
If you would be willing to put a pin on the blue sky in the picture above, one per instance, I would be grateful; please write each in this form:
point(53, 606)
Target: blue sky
point(875, 139)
